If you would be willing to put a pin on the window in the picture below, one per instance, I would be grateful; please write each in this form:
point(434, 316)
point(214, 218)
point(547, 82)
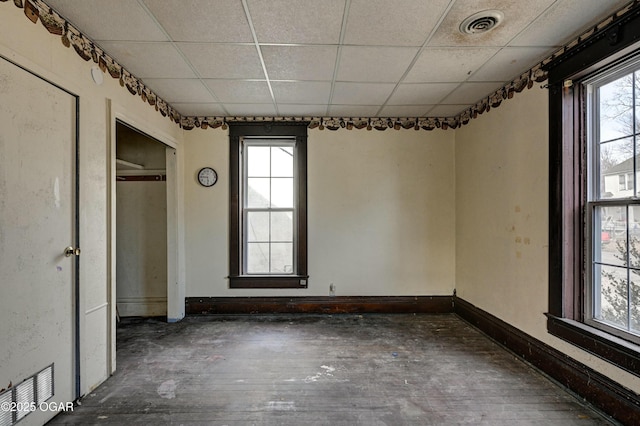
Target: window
point(268, 206)
point(613, 238)
point(594, 204)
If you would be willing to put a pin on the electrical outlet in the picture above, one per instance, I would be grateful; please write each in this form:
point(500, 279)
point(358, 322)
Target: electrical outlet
point(332, 290)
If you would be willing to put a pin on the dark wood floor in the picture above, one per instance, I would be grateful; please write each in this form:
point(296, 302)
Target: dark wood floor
point(322, 370)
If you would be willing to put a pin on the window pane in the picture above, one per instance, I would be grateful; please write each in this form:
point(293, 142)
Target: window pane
point(258, 258)
point(634, 237)
point(282, 161)
point(282, 258)
point(258, 226)
point(611, 296)
point(282, 226)
point(611, 248)
point(257, 161)
point(636, 175)
point(616, 161)
point(616, 108)
point(258, 192)
point(635, 301)
point(282, 192)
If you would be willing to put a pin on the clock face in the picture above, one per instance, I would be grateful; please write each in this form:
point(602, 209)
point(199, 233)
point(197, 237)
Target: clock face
point(207, 176)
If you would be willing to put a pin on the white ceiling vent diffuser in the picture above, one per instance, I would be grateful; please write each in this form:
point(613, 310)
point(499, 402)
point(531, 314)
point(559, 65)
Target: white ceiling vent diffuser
point(481, 22)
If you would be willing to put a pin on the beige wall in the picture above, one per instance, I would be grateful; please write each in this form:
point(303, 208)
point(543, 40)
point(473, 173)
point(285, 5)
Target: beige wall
point(380, 212)
point(31, 46)
point(502, 220)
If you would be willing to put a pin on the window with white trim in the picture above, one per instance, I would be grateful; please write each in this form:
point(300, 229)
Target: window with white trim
point(612, 300)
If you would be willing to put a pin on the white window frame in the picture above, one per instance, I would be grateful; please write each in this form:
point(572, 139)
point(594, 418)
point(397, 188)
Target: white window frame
point(596, 200)
point(258, 141)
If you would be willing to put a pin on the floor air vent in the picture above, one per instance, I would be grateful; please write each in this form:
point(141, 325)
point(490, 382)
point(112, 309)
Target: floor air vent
point(20, 400)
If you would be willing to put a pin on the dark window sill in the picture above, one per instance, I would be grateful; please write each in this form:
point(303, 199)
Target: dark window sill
point(268, 281)
point(619, 352)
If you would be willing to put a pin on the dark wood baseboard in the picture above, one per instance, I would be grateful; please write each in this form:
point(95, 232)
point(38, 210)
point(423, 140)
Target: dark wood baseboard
point(613, 399)
point(320, 305)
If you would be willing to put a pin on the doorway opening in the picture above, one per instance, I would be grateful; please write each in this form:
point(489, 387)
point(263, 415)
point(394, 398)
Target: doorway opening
point(141, 207)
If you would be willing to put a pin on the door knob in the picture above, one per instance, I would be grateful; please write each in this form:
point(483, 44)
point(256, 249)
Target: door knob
point(70, 251)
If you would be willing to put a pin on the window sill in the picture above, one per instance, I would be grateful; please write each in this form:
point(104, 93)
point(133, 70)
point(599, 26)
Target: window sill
point(268, 281)
point(615, 350)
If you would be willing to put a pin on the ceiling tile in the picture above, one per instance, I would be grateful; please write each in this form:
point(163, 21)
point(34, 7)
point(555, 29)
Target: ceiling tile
point(239, 91)
point(376, 22)
point(448, 64)
point(421, 93)
point(375, 64)
point(471, 93)
point(446, 110)
point(127, 19)
point(202, 20)
point(300, 62)
point(154, 60)
point(517, 14)
point(361, 93)
point(223, 60)
point(257, 110)
point(302, 21)
point(301, 92)
point(180, 90)
point(353, 110)
point(200, 110)
point(295, 110)
point(564, 20)
point(405, 110)
point(509, 63)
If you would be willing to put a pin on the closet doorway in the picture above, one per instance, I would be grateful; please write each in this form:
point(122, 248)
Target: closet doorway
point(141, 207)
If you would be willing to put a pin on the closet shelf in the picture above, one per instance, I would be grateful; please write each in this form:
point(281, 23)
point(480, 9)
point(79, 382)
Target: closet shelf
point(126, 165)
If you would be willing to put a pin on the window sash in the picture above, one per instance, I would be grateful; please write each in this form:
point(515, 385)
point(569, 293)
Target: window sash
point(607, 272)
point(246, 210)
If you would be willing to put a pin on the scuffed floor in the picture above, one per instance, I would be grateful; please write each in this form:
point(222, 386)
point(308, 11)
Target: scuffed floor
point(321, 370)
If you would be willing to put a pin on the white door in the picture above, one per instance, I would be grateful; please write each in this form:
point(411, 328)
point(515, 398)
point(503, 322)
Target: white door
point(37, 222)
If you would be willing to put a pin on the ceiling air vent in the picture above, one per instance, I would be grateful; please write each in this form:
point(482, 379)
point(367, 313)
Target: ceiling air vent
point(481, 22)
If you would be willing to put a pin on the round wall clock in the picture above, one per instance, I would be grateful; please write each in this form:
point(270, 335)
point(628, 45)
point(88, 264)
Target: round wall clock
point(207, 176)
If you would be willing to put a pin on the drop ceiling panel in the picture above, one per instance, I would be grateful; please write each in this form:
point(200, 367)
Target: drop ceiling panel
point(180, 90)
point(421, 93)
point(442, 65)
point(266, 110)
point(300, 21)
point(199, 109)
point(223, 60)
point(405, 110)
point(374, 64)
point(201, 20)
point(470, 93)
point(446, 110)
point(300, 62)
point(361, 93)
point(301, 92)
point(127, 19)
point(149, 60)
point(295, 110)
point(248, 91)
point(518, 14)
point(563, 20)
point(353, 110)
point(509, 63)
point(376, 22)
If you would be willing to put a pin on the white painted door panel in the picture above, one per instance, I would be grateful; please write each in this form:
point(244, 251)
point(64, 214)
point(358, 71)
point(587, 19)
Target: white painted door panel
point(37, 217)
